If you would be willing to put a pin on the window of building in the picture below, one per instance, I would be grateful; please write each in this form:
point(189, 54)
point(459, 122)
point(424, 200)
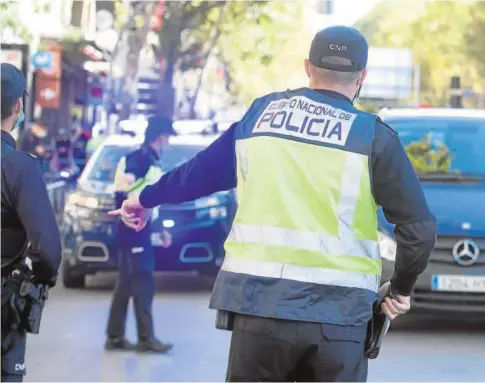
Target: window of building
point(325, 7)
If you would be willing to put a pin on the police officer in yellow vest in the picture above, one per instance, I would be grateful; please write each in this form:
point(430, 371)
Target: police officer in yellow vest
point(302, 266)
point(135, 171)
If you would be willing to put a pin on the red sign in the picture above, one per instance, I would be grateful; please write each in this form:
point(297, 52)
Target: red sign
point(48, 82)
point(48, 92)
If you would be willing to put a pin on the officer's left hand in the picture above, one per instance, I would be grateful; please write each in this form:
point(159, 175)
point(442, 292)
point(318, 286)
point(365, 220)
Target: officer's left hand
point(395, 307)
point(132, 213)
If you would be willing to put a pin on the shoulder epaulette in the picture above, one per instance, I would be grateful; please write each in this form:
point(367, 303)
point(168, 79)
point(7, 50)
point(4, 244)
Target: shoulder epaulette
point(386, 125)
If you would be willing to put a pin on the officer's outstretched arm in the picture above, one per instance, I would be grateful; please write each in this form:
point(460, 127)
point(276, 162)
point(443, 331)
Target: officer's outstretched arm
point(212, 170)
point(398, 191)
point(37, 216)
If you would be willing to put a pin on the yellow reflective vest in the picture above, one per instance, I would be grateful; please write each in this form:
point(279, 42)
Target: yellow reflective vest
point(304, 243)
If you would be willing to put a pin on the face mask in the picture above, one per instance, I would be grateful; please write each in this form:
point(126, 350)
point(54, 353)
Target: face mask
point(19, 120)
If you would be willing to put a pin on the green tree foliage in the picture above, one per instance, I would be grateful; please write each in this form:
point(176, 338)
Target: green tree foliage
point(11, 17)
point(425, 158)
point(251, 35)
point(475, 36)
point(436, 31)
point(266, 49)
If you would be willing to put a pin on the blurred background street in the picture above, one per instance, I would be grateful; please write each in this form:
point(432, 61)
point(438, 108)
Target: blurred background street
point(97, 70)
point(426, 348)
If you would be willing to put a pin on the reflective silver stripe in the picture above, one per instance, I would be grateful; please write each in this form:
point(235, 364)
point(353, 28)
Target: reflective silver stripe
point(242, 163)
point(242, 159)
point(300, 273)
point(349, 195)
point(304, 240)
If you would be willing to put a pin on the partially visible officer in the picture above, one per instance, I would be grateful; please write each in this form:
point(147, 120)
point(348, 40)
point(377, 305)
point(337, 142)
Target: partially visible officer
point(302, 266)
point(137, 264)
point(27, 216)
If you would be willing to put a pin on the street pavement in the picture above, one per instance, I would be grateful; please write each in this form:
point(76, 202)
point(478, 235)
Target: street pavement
point(70, 346)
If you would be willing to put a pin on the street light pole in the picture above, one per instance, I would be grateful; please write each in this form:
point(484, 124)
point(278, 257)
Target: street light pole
point(456, 99)
point(138, 27)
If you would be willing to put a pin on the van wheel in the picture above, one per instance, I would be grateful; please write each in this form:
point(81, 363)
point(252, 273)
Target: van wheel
point(71, 280)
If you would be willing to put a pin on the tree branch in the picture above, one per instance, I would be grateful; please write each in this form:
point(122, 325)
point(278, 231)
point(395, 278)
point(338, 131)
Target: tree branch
point(204, 8)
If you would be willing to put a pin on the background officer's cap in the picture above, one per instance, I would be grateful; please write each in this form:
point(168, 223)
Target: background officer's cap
point(157, 126)
point(13, 83)
point(340, 49)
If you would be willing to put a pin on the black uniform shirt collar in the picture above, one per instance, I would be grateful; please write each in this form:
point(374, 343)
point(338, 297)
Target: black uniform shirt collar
point(147, 149)
point(333, 94)
point(7, 138)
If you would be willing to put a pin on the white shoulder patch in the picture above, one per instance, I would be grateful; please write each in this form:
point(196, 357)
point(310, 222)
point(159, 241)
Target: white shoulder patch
point(302, 117)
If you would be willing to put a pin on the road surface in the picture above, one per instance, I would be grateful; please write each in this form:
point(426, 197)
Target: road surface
point(70, 346)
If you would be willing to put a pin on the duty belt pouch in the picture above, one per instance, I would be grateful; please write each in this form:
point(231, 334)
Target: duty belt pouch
point(9, 289)
point(5, 300)
point(34, 297)
point(225, 320)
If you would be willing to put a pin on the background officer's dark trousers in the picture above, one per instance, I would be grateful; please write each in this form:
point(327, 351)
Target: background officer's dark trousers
point(135, 280)
point(275, 350)
point(13, 358)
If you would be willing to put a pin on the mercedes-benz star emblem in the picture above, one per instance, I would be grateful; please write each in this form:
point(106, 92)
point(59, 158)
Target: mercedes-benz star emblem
point(466, 252)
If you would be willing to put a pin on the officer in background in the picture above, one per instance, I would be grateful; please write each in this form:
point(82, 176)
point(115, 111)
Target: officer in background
point(80, 139)
point(96, 140)
point(135, 171)
point(27, 216)
point(302, 266)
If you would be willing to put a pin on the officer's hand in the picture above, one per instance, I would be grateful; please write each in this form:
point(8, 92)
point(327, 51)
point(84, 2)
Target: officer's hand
point(132, 213)
point(395, 307)
point(166, 239)
point(44, 274)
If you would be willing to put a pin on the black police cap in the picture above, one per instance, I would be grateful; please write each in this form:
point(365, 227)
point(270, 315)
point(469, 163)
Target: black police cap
point(13, 83)
point(158, 126)
point(340, 49)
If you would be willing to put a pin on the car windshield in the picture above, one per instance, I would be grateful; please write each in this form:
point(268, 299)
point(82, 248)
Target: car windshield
point(105, 165)
point(444, 146)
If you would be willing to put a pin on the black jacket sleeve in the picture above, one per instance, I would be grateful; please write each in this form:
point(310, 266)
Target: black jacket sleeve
point(35, 211)
point(212, 170)
point(397, 189)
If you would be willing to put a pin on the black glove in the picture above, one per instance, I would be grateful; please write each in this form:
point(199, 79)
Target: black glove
point(43, 274)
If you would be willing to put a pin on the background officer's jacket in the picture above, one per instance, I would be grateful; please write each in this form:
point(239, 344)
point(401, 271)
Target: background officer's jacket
point(143, 164)
point(27, 214)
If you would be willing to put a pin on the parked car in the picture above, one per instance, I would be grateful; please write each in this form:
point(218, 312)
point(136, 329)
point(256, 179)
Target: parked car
point(446, 147)
point(198, 228)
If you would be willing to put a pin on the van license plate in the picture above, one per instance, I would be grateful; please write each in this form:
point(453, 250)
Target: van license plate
point(458, 283)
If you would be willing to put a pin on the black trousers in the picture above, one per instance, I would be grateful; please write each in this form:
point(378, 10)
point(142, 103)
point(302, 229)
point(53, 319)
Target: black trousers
point(274, 350)
point(135, 279)
point(13, 358)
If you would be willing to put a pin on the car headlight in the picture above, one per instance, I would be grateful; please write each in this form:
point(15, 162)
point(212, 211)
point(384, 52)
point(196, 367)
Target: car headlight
point(218, 212)
point(387, 247)
point(211, 207)
point(78, 200)
point(168, 223)
point(207, 202)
